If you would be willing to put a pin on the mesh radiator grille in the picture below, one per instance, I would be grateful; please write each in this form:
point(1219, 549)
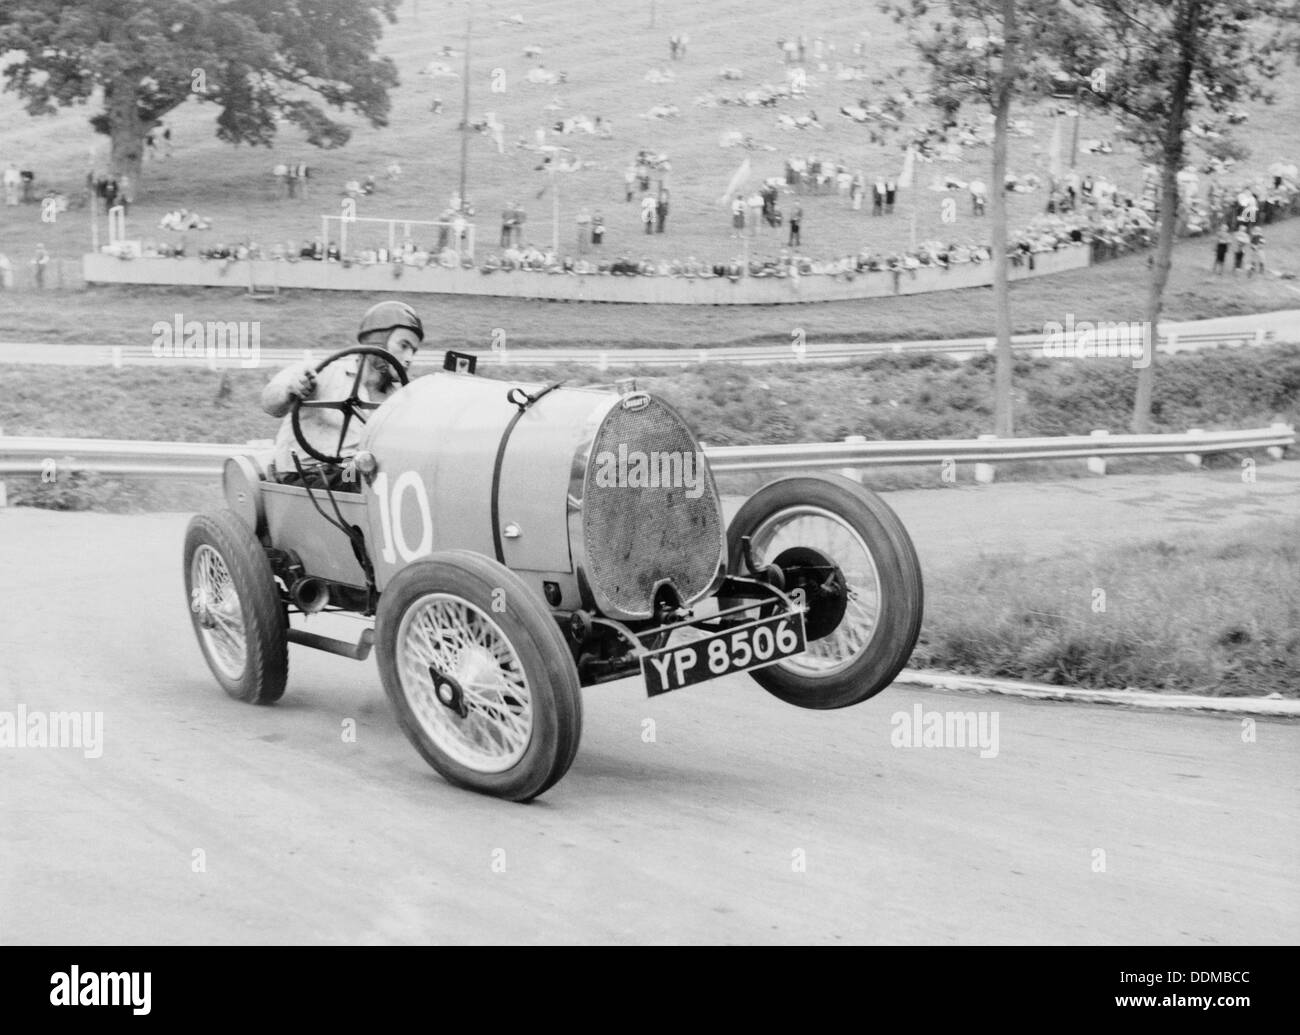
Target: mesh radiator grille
point(636, 534)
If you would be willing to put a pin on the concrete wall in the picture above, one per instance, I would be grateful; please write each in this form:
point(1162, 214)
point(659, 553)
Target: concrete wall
point(332, 276)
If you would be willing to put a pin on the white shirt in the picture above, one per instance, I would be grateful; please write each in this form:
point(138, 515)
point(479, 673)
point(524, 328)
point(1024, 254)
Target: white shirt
point(320, 427)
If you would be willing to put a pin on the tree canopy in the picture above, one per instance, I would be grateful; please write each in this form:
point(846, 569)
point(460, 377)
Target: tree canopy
point(261, 63)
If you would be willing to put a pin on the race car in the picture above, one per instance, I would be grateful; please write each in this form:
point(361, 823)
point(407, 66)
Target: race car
point(515, 543)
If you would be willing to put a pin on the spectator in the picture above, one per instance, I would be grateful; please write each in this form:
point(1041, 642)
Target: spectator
point(29, 180)
point(507, 224)
point(597, 230)
point(878, 197)
point(856, 189)
point(520, 217)
point(661, 210)
point(11, 181)
point(281, 174)
point(39, 264)
point(648, 208)
point(1242, 239)
point(629, 181)
point(891, 192)
point(796, 224)
point(1256, 254)
point(738, 215)
point(1220, 250)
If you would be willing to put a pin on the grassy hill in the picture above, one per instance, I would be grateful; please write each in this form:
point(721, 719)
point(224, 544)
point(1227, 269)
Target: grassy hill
point(605, 53)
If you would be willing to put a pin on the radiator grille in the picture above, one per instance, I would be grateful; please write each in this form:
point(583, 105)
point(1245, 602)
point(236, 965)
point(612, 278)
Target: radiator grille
point(635, 534)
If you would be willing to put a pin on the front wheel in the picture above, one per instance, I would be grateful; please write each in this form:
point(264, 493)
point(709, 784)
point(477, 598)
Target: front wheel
point(848, 558)
point(479, 674)
point(235, 607)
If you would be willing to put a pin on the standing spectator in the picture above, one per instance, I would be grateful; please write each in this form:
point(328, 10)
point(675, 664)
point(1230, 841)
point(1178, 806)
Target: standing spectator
point(877, 197)
point(304, 174)
point(1242, 239)
point(648, 208)
point(629, 182)
point(597, 230)
point(856, 189)
point(11, 183)
point(891, 192)
point(738, 215)
point(796, 223)
point(661, 210)
point(39, 264)
point(110, 192)
point(167, 140)
point(978, 197)
point(125, 194)
point(1220, 250)
point(507, 224)
point(29, 179)
point(672, 46)
point(291, 179)
point(1256, 254)
point(520, 217)
point(281, 174)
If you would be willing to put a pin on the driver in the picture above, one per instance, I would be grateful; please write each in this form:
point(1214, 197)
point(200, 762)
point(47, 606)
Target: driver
point(391, 325)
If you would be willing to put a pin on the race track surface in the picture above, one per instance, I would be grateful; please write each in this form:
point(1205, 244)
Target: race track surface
point(742, 820)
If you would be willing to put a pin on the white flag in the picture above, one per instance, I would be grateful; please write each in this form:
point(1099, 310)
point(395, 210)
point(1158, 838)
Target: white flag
point(737, 181)
point(909, 164)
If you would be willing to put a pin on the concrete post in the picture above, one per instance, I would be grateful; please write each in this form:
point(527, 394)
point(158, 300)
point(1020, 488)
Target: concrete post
point(984, 472)
point(854, 472)
point(1097, 464)
point(1193, 458)
point(1277, 452)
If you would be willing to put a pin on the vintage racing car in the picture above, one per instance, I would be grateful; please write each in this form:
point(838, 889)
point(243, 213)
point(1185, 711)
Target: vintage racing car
point(516, 543)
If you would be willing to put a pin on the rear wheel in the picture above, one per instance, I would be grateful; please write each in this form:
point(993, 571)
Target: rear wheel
point(846, 555)
point(479, 674)
point(235, 607)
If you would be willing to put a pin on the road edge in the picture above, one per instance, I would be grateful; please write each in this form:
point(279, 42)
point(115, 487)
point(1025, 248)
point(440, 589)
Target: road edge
point(1273, 707)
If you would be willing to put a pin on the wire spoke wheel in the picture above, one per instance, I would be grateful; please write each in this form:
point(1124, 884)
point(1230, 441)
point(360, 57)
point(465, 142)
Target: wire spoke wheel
point(235, 608)
point(442, 636)
point(837, 540)
point(848, 557)
point(481, 678)
point(221, 618)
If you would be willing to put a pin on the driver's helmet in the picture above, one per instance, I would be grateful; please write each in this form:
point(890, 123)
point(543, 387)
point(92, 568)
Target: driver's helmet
point(388, 316)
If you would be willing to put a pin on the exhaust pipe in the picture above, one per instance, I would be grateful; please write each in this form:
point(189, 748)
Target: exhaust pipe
point(311, 595)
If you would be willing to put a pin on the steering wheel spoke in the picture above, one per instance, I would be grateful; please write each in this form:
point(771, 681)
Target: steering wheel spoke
point(351, 407)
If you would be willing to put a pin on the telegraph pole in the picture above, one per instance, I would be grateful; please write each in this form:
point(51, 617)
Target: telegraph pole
point(464, 108)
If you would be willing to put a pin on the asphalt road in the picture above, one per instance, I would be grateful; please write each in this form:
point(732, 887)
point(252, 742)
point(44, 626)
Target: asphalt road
point(742, 820)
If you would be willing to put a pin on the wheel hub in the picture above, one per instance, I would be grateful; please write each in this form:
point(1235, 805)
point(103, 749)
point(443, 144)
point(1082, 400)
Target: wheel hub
point(448, 691)
point(823, 584)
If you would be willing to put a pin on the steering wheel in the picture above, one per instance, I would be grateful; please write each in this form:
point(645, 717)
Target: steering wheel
point(351, 407)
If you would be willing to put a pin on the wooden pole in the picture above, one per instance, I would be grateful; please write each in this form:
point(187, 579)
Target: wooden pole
point(464, 108)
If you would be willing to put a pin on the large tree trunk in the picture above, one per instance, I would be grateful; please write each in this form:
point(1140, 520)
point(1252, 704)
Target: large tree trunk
point(126, 130)
point(1003, 418)
point(1171, 162)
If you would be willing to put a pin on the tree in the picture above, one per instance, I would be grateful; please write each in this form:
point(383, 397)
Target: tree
point(1157, 64)
point(259, 62)
point(986, 52)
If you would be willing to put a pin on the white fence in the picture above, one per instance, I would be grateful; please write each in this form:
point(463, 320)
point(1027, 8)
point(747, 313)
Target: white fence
point(49, 457)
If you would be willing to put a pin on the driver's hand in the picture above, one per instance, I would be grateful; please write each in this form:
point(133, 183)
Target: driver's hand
point(304, 385)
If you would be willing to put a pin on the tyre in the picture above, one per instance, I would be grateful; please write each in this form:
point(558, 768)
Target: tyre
point(479, 674)
point(236, 609)
point(848, 557)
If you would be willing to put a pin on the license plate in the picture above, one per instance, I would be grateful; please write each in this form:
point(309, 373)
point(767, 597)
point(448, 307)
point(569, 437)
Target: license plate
point(746, 647)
